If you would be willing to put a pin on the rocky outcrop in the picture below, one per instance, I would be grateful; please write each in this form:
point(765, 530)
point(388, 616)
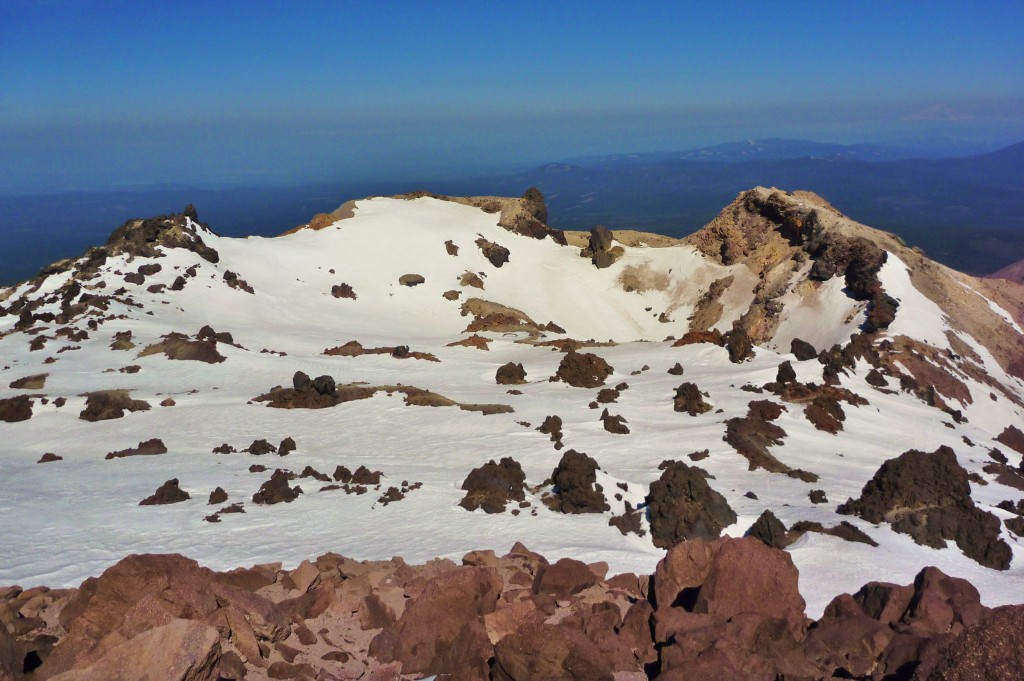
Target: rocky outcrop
point(600, 249)
point(575, 485)
point(510, 374)
point(34, 382)
point(927, 495)
point(151, 447)
point(582, 370)
point(690, 399)
point(1012, 437)
point(411, 280)
point(769, 530)
point(682, 506)
point(343, 291)
point(494, 485)
point(167, 493)
point(179, 346)
point(141, 238)
point(496, 254)
point(277, 490)
point(727, 608)
point(14, 409)
point(104, 405)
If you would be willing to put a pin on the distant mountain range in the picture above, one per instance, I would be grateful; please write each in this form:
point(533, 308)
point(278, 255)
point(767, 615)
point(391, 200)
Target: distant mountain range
point(966, 212)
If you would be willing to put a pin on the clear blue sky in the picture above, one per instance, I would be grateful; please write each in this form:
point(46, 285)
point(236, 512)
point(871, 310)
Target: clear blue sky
point(118, 92)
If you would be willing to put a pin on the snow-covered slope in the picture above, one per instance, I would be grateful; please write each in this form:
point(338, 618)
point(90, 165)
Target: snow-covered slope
point(65, 520)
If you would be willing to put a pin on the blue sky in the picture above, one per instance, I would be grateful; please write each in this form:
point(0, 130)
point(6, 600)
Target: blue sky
point(95, 93)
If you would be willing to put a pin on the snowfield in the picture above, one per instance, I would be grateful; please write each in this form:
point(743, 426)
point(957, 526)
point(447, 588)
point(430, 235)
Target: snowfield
point(61, 522)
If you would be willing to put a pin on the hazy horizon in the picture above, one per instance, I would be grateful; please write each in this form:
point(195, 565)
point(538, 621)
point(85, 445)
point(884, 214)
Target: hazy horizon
point(116, 95)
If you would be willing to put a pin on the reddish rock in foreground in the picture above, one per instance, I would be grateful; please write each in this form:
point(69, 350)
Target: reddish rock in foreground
point(722, 609)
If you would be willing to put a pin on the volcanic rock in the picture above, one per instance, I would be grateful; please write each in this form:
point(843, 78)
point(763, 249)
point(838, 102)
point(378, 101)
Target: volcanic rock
point(582, 370)
point(14, 409)
point(682, 506)
point(411, 280)
point(286, 447)
point(927, 496)
point(343, 291)
point(35, 382)
point(1013, 438)
point(276, 490)
point(110, 404)
point(690, 399)
point(260, 447)
point(178, 346)
point(614, 424)
point(510, 374)
point(802, 350)
point(576, 488)
point(494, 485)
point(495, 254)
point(167, 493)
point(769, 529)
point(150, 447)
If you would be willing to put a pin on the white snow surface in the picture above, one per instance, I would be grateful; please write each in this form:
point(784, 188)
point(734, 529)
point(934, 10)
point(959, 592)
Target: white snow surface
point(64, 521)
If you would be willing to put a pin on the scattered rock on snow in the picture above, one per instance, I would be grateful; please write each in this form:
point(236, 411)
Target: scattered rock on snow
point(167, 493)
point(683, 506)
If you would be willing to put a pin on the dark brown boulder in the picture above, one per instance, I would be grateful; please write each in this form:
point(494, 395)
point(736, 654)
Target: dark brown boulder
point(739, 345)
point(676, 369)
point(802, 350)
point(14, 409)
point(576, 489)
point(286, 447)
point(167, 493)
point(34, 382)
point(683, 506)
point(411, 280)
point(533, 203)
point(260, 447)
point(343, 291)
point(615, 424)
point(1013, 438)
point(769, 529)
point(110, 404)
point(497, 255)
point(510, 374)
point(178, 346)
point(276, 490)
point(218, 496)
point(583, 370)
point(690, 399)
point(150, 447)
point(785, 374)
point(494, 485)
point(927, 495)
point(301, 381)
point(826, 414)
